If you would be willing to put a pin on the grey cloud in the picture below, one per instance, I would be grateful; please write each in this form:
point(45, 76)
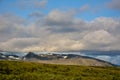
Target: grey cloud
point(10, 18)
point(65, 33)
point(84, 8)
point(19, 43)
point(101, 40)
point(36, 14)
point(114, 4)
point(57, 21)
point(11, 26)
point(57, 17)
point(61, 29)
point(109, 24)
point(99, 37)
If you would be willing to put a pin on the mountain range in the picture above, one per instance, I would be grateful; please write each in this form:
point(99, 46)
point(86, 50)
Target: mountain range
point(56, 58)
point(66, 59)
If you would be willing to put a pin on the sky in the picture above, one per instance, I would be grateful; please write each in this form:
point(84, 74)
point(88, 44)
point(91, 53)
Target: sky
point(59, 25)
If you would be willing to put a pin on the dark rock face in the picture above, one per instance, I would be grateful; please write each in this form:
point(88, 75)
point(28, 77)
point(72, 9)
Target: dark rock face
point(1, 54)
point(31, 55)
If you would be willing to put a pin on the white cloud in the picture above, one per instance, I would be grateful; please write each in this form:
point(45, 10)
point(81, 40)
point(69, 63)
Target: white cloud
point(114, 4)
point(99, 37)
point(59, 45)
point(11, 26)
point(58, 31)
point(57, 17)
point(17, 44)
point(105, 23)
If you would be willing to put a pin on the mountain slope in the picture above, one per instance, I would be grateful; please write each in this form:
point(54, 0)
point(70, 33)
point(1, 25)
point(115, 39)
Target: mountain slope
point(66, 59)
point(77, 61)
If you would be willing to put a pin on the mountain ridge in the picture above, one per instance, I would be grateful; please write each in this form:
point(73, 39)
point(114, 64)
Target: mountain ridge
point(66, 59)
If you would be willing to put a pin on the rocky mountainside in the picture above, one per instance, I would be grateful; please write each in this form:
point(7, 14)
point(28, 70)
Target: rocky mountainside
point(66, 59)
point(52, 58)
point(31, 55)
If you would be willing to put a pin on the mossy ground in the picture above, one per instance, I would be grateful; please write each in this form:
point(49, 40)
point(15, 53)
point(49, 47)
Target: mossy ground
point(19, 70)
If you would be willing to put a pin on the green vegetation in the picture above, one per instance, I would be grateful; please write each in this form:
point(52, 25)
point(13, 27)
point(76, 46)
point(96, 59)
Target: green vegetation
point(18, 70)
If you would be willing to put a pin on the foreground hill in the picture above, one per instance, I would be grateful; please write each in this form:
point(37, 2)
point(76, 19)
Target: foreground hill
point(16, 70)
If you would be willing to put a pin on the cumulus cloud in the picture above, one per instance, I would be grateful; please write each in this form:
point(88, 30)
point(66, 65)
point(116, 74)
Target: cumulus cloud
point(99, 37)
point(19, 43)
point(11, 26)
point(114, 4)
point(58, 31)
point(59, 45)
point(57, 17)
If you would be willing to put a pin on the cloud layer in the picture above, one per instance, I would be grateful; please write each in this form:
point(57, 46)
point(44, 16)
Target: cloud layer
point(114, 4)
point(58, 31)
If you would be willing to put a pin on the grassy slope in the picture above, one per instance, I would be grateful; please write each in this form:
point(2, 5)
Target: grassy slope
point(16, 70)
